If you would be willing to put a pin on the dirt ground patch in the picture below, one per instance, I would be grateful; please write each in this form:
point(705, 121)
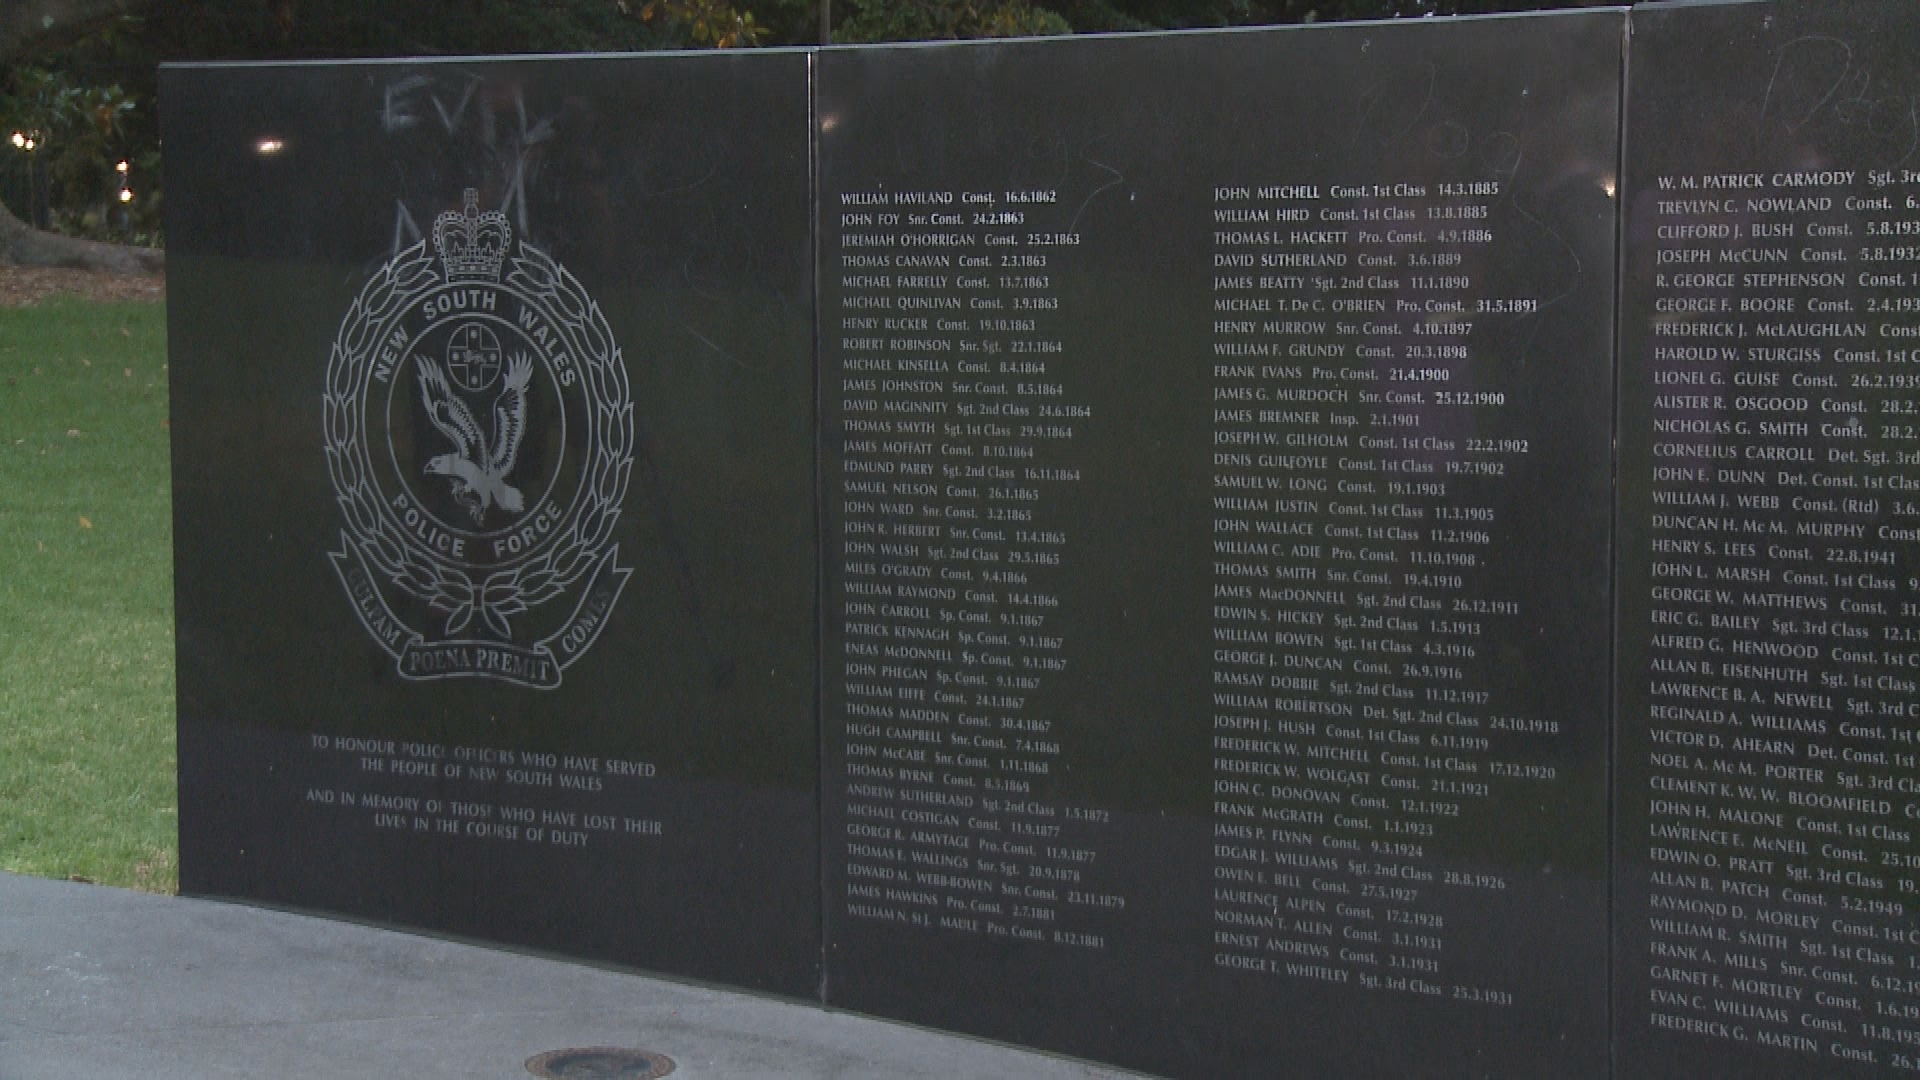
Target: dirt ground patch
point(24, 286)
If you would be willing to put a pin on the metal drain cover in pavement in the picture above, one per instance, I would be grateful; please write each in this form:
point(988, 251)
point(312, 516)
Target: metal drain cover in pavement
point(600, 1063)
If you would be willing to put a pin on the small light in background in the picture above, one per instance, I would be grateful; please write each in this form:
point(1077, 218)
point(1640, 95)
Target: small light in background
point(270, 146)
point(1607, 185)
point(121, 168)
point(20, 139)
point(126, 194)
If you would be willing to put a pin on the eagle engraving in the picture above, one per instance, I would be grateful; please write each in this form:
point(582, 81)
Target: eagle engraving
point(477, 470)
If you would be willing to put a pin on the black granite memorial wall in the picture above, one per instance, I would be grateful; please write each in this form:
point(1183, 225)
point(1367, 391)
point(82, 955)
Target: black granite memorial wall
point(1769, 468)
point(1366, 550)
point(493, 501)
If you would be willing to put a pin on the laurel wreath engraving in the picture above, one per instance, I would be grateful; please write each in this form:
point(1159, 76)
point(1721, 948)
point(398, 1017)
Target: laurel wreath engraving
point(445, 586)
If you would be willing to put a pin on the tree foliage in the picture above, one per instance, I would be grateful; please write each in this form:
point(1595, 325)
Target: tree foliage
point(939, 20)
point(73, 143)
point(69, 122)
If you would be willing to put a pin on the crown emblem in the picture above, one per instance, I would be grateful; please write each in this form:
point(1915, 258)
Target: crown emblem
point(472, 244)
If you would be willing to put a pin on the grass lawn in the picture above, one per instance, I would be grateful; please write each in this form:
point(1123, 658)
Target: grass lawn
point(86, 595)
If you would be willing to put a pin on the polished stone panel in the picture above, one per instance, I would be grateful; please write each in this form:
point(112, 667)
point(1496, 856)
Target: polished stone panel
point(1769, 465)
point(492, 437)
point(1216, 491)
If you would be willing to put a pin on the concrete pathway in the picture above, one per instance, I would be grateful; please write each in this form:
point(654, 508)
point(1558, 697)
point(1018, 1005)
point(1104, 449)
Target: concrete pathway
point(107, 984)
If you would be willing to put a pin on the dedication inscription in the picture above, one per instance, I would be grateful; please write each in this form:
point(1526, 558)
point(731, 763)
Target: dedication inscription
point(493, 501)
point(1768, 586)
point(1216, 537)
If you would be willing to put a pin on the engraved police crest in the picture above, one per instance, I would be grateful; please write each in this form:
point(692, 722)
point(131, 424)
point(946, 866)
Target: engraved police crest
point(479, 435)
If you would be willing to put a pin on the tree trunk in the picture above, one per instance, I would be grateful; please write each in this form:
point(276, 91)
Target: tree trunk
point(26, 246)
